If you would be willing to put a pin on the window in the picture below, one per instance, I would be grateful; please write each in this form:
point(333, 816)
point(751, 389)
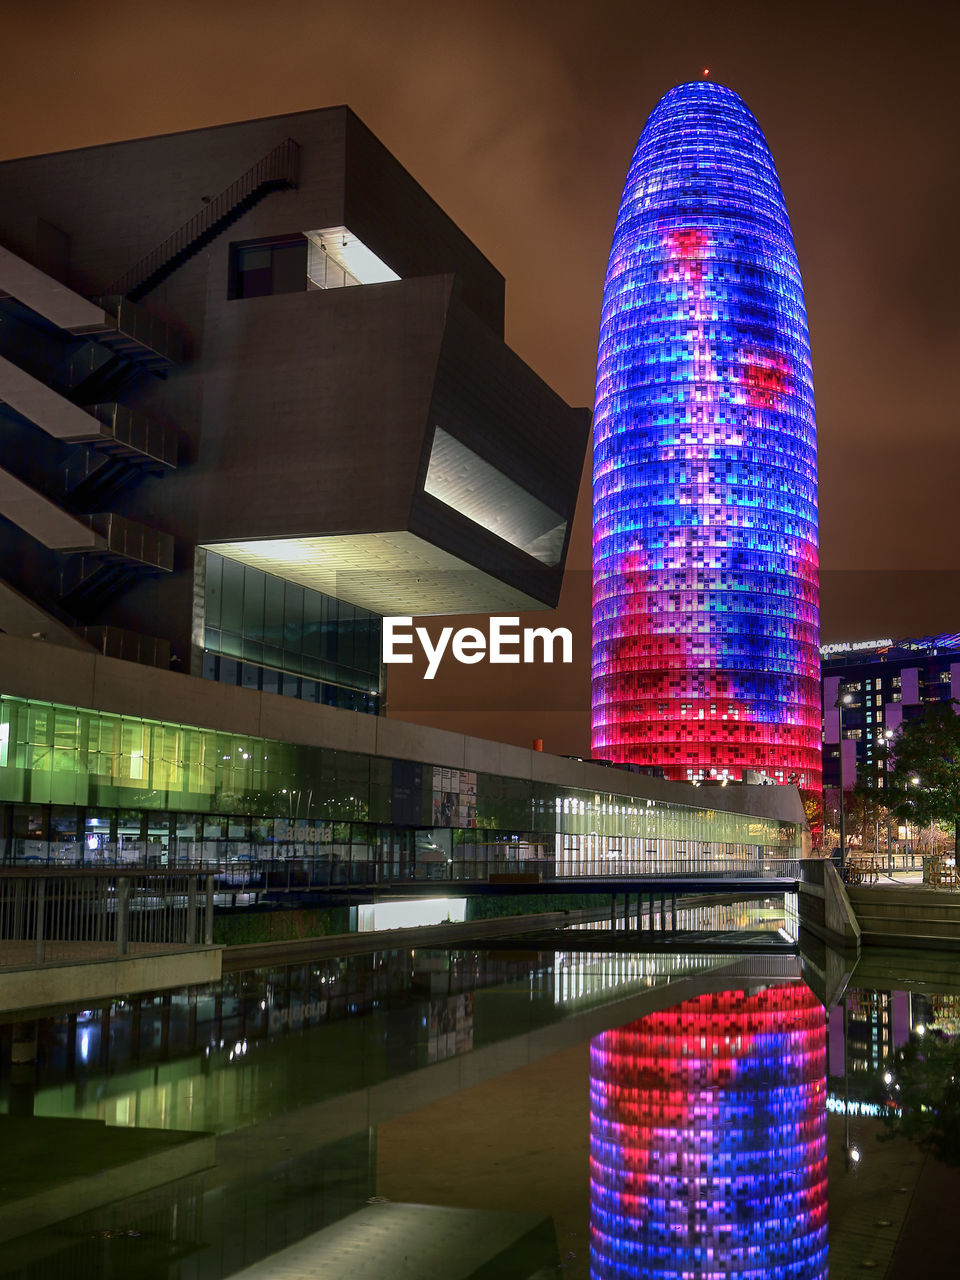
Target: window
point(338, 259)
point(259, 268)
point(282, 631)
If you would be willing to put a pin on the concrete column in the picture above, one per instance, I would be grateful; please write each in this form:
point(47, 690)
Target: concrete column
point(23, 1068)
point(191, 922)
point(123, 914)
point(208, 914)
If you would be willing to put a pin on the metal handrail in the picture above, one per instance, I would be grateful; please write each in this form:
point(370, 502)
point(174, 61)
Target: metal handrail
point(288, 870)
point(48, 916)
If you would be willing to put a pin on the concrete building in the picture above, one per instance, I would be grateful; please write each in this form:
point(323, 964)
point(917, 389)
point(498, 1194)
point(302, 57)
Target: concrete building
point(255, 395)
point(103, 762)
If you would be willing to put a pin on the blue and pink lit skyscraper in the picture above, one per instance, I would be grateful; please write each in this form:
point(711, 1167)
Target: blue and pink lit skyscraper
point(705, 569)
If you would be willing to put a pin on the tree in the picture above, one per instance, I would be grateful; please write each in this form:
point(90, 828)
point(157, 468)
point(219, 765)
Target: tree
point(924, 783)
point(925, 1092)
point(866, 810)
point(813, 808)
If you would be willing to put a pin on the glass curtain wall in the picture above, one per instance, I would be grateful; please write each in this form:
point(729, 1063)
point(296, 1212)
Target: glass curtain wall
point(88, 786)
point(262, 632)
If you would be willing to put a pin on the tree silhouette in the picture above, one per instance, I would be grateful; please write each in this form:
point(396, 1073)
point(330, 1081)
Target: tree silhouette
point(925, 1094)
point(924, 783)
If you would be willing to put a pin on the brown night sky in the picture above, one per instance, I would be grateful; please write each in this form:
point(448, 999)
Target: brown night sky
point(520, 119)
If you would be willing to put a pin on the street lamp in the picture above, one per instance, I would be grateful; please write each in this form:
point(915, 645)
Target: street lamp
point(843, 701)
point(887, 739)
point(851, 1152)
point(915, 782)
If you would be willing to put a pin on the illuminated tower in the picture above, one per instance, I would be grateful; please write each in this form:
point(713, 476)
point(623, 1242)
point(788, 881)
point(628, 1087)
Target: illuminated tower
point(708, 1141)
point(706, 597)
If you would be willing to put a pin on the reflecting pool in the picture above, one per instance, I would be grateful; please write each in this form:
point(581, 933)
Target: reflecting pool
point(541, 1113)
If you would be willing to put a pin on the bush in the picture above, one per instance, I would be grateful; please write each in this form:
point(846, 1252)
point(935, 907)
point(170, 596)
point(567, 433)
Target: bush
point(278, 924)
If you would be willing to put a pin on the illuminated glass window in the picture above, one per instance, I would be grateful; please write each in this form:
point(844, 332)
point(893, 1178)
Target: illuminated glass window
point(330, 259)
point(262, 632)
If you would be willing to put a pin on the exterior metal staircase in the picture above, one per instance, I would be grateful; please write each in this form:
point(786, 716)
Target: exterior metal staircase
point(128, 551)
point(66, 359)
point(279, 170)
point(129, 447)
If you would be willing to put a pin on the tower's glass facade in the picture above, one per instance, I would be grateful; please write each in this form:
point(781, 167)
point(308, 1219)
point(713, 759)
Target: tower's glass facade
point(708, 1140)
point(706, 597)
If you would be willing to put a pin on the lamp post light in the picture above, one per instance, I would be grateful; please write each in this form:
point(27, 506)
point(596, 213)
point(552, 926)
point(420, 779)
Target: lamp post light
point(843, 701)
point(914, 782)
point(851, 1152)
point(887, 738)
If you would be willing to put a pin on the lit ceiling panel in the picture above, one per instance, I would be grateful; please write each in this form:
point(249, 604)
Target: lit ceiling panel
point(352, 255)
point(387, 573)
point(459, 478)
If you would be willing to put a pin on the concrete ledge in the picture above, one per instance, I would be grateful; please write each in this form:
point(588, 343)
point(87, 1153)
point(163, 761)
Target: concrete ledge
point(825, 908)
point(420, 1242)
point(251, 955)
point(930, 941)
point(102, 1165)
point(89, 981)
point(509, 929)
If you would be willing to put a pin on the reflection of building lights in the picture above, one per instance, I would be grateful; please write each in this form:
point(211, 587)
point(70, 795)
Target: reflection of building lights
point(855, 1107)
point(708, 1140)
point(854, 1154)
point(85, 1045)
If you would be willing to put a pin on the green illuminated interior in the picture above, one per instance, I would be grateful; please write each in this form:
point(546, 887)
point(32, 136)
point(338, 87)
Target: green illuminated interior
point(51, 754)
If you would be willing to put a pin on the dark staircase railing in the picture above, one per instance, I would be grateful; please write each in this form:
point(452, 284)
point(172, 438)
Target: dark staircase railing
point(277, 171)
point(137, 334)
point(117, 642)
point(129, 447)
point(130, 551)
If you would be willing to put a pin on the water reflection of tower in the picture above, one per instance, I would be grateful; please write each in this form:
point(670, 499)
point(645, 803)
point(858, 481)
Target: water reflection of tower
point(708, 1140)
